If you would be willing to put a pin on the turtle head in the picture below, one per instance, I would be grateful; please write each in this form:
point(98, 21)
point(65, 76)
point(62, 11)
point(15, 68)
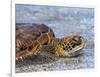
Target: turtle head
point(73, 44)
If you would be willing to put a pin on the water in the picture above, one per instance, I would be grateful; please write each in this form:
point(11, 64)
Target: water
point(63, 21)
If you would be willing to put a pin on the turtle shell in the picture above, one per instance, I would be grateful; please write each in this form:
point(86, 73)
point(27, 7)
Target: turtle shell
point(31, 37)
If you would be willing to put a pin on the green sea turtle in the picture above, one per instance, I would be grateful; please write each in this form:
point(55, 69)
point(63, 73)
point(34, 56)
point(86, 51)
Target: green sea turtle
point(30, 38)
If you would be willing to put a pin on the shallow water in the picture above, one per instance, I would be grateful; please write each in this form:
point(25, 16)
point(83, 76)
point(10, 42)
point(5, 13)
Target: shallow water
point(63, 21)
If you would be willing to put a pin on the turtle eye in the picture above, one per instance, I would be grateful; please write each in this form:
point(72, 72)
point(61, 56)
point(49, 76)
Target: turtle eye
point(73, 44)
point(76, 40)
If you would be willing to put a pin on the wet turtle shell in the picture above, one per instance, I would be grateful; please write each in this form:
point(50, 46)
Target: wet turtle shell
point(30, 37)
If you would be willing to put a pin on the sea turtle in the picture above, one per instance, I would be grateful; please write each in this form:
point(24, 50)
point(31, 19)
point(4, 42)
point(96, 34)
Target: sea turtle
point(30, 38)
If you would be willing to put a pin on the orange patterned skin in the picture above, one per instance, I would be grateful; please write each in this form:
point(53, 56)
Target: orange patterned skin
point(30, 38)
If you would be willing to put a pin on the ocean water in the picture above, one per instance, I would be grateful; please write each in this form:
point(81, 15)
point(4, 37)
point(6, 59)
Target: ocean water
point(63, 21)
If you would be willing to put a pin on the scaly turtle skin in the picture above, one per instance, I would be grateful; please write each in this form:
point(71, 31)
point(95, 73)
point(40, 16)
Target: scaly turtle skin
point(30, 38)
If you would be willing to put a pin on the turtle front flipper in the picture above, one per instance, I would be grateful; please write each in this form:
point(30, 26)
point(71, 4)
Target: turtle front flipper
point(29, 50)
